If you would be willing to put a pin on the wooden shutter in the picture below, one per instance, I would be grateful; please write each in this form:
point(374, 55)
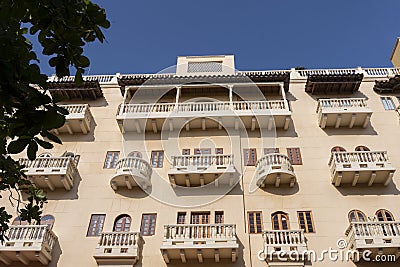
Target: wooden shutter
point(148, 224)
point(185, 151)
point(250, 156)
point(157, 158)
point(181, 219)
point(111, 159)
point(96, 224)
point(294, 155)
point(270, 150)
point(219, 217)
point(200, 218)
point(219, 151)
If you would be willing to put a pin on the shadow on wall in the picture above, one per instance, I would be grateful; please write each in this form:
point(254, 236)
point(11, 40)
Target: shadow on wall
point(283, 190)
point(79, 137)
point(135, 192)
point(348, 190)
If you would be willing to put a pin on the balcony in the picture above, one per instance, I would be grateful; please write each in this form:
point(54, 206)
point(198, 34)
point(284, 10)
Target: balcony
point(52, 173)
point(284, 240)
point(381, 238)
point(78, 120)
point(199, 241)
point(199, 170)
point(152, 117)
point(118, 248)
point(131, 172)
point(276, 170)
point(343, 112)
point(28, 243)
point(361, 167)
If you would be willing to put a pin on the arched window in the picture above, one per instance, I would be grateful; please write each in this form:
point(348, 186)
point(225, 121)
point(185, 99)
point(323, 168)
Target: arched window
point(47, 219)
point(19, 221)
point(384, 215)
point(122, 223)
point(45, 155)
point(280, 221)
point(338, 149)
point(362, 148)
point(135, 154)
point(357, 216)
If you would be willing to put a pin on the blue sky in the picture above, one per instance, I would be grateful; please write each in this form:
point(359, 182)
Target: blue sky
point(147, 36)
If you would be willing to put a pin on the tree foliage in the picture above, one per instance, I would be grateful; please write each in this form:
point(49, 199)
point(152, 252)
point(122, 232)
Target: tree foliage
point(62, 28)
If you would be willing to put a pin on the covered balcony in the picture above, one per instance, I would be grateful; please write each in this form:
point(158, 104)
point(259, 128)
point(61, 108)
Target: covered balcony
point(275, 169)
point(381, 238)
point(119, 248)
point(198, 242)
point(130, 172)
point(361, 167)
point(78, 120)
point(343, 112)
point(27, 244)
point(51, 172)
point(290, 241)
point(152, 117)
point(200, 170)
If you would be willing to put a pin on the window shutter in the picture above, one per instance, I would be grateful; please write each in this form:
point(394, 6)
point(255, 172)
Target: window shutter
point(294, 155)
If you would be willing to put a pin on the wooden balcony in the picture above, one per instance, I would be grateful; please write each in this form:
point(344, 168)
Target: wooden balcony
point(119, 248)
point(78, 120)
point(361, 167)
point(276, 241)
point(343, 112)
point(52, 173)
point(381, 238)
point(131, 172)
point(275, 169)
point(27, 244)
point(253, 114)
point(197, 242)
point(200, 170)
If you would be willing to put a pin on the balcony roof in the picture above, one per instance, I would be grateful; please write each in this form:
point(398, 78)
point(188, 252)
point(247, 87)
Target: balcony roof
point(333, 83)
point(70, 90)
point(172, 79)
point(389, 86)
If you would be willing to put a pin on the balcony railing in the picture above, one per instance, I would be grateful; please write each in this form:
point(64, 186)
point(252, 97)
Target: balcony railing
point(131, 171)
point(340, 103)
point(119, 247)
point(359, 157)
point(284, 237)
point(78, 120)
point(276, 166)
point(202, 107)
point(203, 161)
point(192, 232)
point(75, 109)
point(21, 240)
point(56, 171)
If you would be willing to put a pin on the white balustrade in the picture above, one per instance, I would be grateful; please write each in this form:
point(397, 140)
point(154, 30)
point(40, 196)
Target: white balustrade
point(284, 237)
point(200, 231)
point(134, 163)
point(202, 160)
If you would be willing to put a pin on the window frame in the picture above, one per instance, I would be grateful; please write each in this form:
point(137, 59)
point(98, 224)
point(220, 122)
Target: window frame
point(219, 214)
point(149, 228)
point(384, 215)
point(306, 223)
point(291, 151)
point(271, 150)
point(248, 154)
point(158, 163)
point(112, 164)
point(255, 226)
point(280, 215)
point(123, 224)
point(388, 103)
point(357, 212)
point(97, 233)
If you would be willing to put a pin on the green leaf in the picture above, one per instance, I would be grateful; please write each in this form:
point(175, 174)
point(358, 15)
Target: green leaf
point(44, 144)
point(51, 137)
point(32, 149)
point(17, 146)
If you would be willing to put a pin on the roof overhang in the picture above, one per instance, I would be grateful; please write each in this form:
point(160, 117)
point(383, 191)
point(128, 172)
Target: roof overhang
point(389, 86)
point(333, 83)
point(70, 90)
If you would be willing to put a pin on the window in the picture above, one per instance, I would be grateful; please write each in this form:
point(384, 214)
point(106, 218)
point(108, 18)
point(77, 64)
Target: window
point(362, 148)
point(219, 217)
point(219, 151)
point(181, 219)
point(280, 221)
point(200, 218)
point(294, 155)
point(135, 154)
point(96, 224)
point(255, 222)
point(157, 158)
point(148, 224)
point(122, 223)
point(202, 151)
point(111, 159)
point(45, 155)
point(338, 149)
point(271, 150)
point(47, 220)
point(306, 221)
point(19, 221)
point(388, 103)
point(250, 156)
point(356, 216)
point(384, 216)
point(186, 151)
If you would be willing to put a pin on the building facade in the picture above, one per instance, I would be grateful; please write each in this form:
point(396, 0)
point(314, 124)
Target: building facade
point(214, 166)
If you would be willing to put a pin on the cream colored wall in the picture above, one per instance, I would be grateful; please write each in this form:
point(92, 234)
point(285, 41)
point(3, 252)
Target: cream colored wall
point(395, 58)
point(330, 205)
